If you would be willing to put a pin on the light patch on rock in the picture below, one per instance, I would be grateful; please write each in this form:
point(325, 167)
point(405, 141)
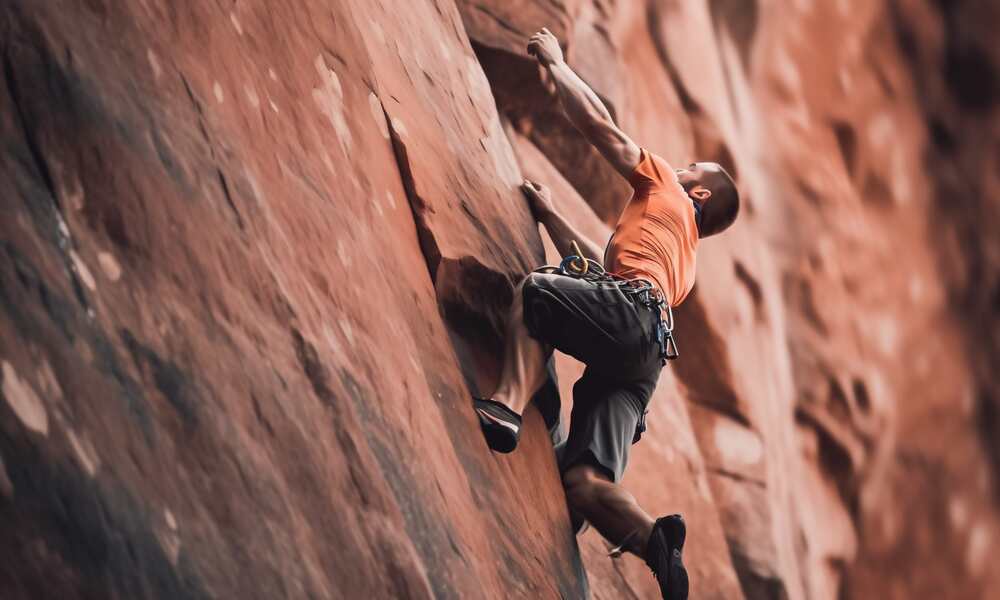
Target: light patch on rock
point(328, 162)
point(236, 23)
point(169, 538)
point(84, 452)
point(252, 95)
point(737, 445)
point(399, 127)
point(271, 73)
point(329, 98)
point(112, 270)
point(82, 271)
point(978, 550)
point(704, 489)
point(845, 75)
point(258, 194)
point(901, 188)
point(154, 64)
point(75, 198)
point(958, 512)
point(376, 105)
point(331, 340)
point(786, 74)
point(390, 199)
point(378, 207)
point(378, 32)
point(881, 131)
point(345, 327)
point(24, 401)
point(274, 107)
point(479, 86)
point(342, 254)
point(916, 288)
point(220, 96)
point(445, 51)
point(63, 227)
point(886, 332)
point(49, 384)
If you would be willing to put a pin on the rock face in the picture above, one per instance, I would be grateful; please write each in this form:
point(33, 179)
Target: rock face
point(254, 258)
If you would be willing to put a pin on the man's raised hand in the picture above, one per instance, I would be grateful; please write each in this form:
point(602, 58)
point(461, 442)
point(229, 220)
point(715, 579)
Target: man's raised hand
point(539, 199)
point(545, 47)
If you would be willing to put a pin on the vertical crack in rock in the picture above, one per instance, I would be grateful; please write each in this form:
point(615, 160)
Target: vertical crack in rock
point(203, 128)
point(201, 114)
point(428, 245)
point(472, 296)
point(315, 372)
point(31, 135)
point(229, 199)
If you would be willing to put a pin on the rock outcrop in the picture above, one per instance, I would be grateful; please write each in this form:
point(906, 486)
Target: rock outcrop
point(255, 257)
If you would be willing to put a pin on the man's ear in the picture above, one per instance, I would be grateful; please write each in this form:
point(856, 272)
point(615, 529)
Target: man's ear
point(700, 193)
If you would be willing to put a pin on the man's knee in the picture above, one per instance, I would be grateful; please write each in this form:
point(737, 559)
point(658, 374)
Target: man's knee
point(582, 484)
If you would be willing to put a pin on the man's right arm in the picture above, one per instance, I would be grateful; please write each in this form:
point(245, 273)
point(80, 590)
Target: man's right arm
point(560, 230)
point(584, 108)
point(562, 233)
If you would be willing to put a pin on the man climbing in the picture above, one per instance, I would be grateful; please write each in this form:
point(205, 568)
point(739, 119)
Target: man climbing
point(613, 323)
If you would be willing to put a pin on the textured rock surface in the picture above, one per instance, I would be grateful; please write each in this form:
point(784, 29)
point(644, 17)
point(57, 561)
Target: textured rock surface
point(253, 258)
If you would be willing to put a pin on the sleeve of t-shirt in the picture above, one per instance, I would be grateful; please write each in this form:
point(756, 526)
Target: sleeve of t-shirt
point(652, 172)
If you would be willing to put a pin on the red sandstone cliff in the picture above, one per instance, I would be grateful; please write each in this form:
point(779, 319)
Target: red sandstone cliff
point(253, 256)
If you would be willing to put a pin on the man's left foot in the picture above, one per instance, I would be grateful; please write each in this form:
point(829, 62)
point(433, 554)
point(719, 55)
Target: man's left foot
point(663, 555)
point(501, 425)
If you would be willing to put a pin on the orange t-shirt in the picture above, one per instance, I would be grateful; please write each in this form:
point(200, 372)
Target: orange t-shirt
point(656, 236)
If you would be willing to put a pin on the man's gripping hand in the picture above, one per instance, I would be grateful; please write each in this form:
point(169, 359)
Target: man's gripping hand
point(545, 47)
point(539, 199)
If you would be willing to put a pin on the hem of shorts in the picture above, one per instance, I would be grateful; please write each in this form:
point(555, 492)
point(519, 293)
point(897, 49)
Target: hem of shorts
point(588, 456)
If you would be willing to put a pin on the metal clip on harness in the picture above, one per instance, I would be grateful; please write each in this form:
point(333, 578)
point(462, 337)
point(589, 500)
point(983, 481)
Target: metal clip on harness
point(579, 266)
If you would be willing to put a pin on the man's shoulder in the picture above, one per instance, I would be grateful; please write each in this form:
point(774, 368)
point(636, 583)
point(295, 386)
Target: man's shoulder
point(652, 169)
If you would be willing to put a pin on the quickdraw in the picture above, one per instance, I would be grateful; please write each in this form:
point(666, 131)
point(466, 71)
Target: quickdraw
point(579, 266)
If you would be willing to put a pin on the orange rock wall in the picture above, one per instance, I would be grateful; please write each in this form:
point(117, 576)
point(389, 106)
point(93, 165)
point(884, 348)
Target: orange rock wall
point(255, 257)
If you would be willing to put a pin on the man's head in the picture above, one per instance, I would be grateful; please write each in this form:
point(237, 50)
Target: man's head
point(712, 189)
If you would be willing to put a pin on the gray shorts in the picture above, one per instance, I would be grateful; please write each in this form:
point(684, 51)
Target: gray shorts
point(615, 336)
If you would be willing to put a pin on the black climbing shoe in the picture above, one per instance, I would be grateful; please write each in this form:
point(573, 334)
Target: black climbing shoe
point(501, 425)
point(663, 555)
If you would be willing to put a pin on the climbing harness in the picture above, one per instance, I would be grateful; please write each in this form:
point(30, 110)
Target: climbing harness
point(579, 266)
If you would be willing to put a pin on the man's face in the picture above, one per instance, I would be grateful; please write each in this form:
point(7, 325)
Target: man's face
point(694, 174)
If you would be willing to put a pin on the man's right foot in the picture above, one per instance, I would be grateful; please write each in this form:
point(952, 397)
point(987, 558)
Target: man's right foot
point(501, 425)
point(663, 555)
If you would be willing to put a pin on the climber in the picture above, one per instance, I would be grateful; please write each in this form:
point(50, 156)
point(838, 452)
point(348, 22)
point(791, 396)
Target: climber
point(609, 324)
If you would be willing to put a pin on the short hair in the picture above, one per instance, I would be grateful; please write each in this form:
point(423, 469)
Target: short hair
point(720, 210)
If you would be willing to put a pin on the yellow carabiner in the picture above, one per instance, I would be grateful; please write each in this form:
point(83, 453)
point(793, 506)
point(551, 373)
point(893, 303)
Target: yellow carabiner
point(582, 270)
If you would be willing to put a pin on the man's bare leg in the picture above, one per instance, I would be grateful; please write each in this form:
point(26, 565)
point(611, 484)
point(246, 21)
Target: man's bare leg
point(523, 362)
point(611, 509)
